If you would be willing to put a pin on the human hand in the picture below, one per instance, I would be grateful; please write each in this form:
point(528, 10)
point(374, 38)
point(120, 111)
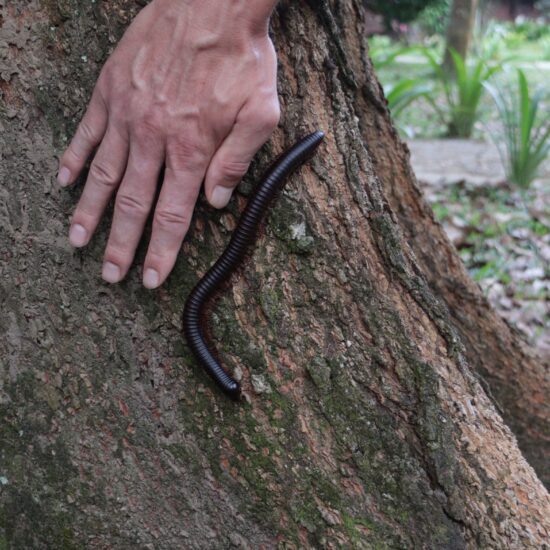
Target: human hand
point(191, 85)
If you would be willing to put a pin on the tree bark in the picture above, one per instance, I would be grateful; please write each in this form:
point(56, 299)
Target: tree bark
point(363, 425)
point(460, 30)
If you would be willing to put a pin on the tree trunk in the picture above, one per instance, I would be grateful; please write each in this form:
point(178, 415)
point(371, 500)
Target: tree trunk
point(354, 327)
point(460, 30)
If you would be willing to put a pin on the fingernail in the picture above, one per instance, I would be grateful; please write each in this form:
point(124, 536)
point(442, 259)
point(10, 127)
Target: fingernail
point(111, 272)
point(220, 196)
point(64, 176)
point(78, 236)
point(150, 278)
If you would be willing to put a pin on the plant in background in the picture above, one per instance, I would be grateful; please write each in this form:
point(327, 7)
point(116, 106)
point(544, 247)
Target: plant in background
point(403, 11)
point(383, 50)
point(463, 91)
point(525, 134)
point(400, 94)
point(543, 6)
point(531, 29)
point(545, 46)
point(404, 92)
point(435, 17)
point(490, 42)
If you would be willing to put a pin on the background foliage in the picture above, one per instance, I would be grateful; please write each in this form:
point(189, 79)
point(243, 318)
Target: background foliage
point(405, 11)
point(495, 208)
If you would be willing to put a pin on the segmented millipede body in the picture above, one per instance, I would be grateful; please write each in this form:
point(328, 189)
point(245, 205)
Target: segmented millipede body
point(241, 240)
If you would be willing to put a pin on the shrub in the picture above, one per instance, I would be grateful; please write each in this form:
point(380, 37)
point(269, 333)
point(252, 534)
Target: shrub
point(404, 92)
point(545, 46)
point(383, 50)
point(544, 7)
point(435, 17)
point(525, 135)
point(399, 10)
point(490, 42)
point(463, 91)
point(531, 29)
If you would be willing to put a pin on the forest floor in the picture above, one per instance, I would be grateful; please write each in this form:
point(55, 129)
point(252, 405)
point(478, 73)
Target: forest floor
point(502, 234)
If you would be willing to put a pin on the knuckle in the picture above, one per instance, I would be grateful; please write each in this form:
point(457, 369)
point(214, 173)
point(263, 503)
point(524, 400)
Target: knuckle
point(131, 206)
point(148, 127)
point(74, 155)
point(233, 169)
point(269, 117)
point(70, 156)
point(108, 73)
point(103, 174)
point(119, 253)
point(172, 220)
point(186, 153)
point(86, 131)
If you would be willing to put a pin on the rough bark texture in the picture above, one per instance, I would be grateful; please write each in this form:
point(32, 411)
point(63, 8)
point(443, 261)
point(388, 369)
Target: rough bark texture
point(513, 374)
point(364, 425)
point(460, 29)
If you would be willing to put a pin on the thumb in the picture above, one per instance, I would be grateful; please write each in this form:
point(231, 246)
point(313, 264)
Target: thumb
point(230, 162)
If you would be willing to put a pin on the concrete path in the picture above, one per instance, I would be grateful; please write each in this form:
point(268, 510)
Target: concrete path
point(448, 161)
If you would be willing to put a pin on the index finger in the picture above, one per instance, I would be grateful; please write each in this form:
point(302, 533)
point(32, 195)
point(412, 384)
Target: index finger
point(88, 135)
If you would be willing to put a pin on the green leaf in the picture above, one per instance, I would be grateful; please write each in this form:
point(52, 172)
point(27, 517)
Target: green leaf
point(526, 135)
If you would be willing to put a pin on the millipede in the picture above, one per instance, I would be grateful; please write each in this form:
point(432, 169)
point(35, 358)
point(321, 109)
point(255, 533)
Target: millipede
point(243, 237)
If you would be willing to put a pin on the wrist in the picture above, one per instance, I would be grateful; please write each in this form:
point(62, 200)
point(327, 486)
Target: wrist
point(249, 17)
